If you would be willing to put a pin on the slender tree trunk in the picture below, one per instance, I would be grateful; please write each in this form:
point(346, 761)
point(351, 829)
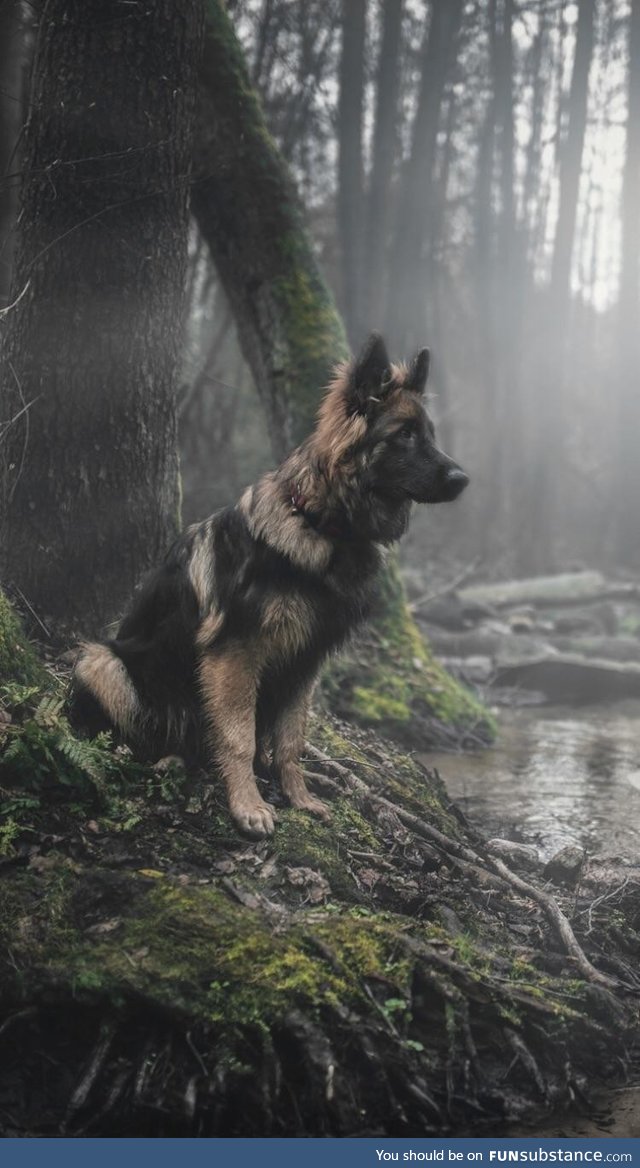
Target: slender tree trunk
point(89, 462)
point(409, 275)
point(385, 143)
point(540, 81)
point(483, 275)
point(508, 430)
point(571, 155)
point(350, 165)
point(627, 487)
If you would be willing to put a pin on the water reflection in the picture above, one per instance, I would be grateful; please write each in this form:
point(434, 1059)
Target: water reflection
point(556, 775)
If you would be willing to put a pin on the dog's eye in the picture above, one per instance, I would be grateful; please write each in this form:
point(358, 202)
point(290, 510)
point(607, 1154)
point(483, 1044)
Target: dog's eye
point(406, 432)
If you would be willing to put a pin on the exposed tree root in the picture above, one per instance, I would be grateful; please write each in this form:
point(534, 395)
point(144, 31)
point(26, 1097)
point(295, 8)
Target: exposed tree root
point(375, 975)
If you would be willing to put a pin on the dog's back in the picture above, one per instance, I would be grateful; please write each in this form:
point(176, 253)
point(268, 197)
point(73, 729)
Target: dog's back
point(226, 639)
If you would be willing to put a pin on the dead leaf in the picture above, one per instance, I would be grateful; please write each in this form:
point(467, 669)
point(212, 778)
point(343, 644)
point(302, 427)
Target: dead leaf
point(315, 885)
point(103, 927)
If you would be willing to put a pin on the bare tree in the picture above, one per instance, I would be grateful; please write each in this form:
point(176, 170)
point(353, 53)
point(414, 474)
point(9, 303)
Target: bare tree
point(350, 164)
point(626, 486)
point(546, 451)
point(408, 271)
point(384, 153)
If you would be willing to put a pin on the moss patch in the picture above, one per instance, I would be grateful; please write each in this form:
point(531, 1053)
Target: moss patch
point(397, 686)
point(18, 659)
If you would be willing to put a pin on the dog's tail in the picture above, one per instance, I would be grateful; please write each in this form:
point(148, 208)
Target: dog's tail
point(103, 694)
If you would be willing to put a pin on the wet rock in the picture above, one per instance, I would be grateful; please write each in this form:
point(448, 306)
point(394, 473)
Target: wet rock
point(565, 867)
point(476, 670)
point(567, 677)
point(521, 857)
point(497, 641)
point(620, 649)
point(447, 612)
point(523, 620)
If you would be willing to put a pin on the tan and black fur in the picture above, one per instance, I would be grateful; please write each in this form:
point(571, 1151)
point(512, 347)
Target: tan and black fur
point(224, 643)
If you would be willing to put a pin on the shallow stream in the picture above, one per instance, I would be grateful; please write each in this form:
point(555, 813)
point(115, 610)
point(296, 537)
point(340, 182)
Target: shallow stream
point(555, 775)
point(558, 775)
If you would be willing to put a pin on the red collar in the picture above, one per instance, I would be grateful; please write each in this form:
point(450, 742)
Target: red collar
point(330, 527)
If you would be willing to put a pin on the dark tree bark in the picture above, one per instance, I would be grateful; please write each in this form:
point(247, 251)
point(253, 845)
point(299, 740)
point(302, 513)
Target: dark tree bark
point(385, 142)
point(507, 432)
point(350, 165)
point(539, 74)
point(11, 113)
point(571, 155)
point(89, 471)
point(627, 485)
point(408, 269)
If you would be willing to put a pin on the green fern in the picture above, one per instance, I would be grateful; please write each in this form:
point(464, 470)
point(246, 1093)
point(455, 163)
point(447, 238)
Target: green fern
point(14, 695)
point(85, 756)
point(48, 711)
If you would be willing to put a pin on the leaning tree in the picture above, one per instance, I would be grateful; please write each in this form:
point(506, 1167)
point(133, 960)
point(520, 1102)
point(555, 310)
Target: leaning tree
point(89, 471)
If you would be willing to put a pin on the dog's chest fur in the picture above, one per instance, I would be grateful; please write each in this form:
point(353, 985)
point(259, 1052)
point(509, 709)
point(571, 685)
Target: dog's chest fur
point(287, 611)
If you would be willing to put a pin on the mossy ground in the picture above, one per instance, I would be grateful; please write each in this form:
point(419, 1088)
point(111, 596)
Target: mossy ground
point(392, 683)
point(183, 980)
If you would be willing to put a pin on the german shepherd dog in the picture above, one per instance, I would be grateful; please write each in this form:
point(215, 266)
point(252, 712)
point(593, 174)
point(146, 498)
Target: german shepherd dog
point(224, 643)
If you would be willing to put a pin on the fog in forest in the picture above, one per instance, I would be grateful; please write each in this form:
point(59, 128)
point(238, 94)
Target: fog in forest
point(471, 177)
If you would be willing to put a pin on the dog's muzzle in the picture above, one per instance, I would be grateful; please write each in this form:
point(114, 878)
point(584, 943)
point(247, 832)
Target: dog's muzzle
point(454, 484)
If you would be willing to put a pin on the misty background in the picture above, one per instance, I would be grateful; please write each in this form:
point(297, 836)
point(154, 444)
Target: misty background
point(471, 178)
point(471, 175)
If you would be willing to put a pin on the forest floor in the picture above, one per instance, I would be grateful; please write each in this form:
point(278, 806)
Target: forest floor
point(388, 972)
point(384, 973)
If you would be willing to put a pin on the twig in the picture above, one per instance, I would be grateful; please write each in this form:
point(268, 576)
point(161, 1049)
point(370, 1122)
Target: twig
point(32, 611)
point(96, 1064)
point(450, 587)
point(26, 433)
point(5, 311)
point(601, 899)
point(26, 1013)
point(4, 426)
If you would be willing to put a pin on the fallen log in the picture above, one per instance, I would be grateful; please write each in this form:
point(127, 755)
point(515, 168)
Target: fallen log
point(548, 591)
point(568, 677)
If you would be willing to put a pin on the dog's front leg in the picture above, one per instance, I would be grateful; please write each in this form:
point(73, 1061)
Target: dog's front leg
point(288, 743)
point(228, 684)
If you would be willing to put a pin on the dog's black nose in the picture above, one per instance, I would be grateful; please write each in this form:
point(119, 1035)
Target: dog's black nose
point(456, 481)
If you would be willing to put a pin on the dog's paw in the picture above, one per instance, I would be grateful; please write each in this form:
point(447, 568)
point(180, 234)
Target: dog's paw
point(256, 819)
point(306, 802)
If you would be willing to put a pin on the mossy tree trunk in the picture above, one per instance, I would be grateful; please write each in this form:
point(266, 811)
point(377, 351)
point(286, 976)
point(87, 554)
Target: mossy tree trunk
point(249, 214)
point(89, 462)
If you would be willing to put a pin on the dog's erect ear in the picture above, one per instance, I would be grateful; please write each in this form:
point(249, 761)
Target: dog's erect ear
point(419, 371)
point(370, 371)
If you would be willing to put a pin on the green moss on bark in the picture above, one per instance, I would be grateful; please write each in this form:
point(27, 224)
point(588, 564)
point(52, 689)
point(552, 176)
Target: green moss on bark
point(395, 684)
point(19, 662)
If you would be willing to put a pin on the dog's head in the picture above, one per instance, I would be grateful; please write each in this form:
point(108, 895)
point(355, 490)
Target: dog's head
point(373, 423)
